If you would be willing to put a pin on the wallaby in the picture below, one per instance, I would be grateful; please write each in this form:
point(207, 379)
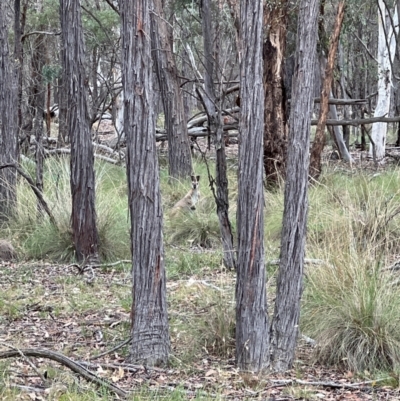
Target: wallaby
point(190, 199)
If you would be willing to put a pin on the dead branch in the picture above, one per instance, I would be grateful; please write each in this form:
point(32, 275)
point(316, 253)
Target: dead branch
point(356, 386)
point(69, 363)
point(117, 347)
point(275, 262)
point(125, 366)
point(65, 151)
point(360, 121)
point(34, 188)
point(82, 267)
point(343, 102)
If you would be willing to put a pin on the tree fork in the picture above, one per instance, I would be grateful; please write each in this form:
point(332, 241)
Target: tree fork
point(319, 141)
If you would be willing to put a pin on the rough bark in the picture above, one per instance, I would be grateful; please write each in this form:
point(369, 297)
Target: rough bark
point(118, 109)
point(18, 56)
point(8, 119)
point(179, 156)
point(63, 131)
point(284, 327)
point(38, 101)
point(216, 128)
point(319, 141)
point(39, 61)
point(275, 128)
point(83, 215)
point(252, 340)
point(149, 330)
point(346, 108)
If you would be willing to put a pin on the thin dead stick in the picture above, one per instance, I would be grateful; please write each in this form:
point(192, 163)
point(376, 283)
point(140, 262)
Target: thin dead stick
point(355, 386)
point(83, 266)
point(275, 262)
point(127, 341)
point(126, 366)
point(34, 188)
point(69, 363)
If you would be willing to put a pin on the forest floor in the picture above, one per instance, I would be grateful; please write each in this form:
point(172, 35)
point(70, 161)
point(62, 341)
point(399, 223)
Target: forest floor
point(52, 307)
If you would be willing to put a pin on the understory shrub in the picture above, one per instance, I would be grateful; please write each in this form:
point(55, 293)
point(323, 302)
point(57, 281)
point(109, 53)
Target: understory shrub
point(40, 239)
point(352, 310)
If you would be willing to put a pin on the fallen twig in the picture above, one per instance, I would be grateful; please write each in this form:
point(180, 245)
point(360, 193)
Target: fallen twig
point(127, 341)
point(355, 386)
point(275, 262)
point(125, 366)
point(69, 363)
point(84, 266)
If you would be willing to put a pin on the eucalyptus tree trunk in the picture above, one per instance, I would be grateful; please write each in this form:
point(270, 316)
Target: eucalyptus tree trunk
point(275, 128)
point(63, 131)
point(284, 327)
point(216, 128)
point(386, 51)
point(8, 119)
point(252, 337)
point(38, 99)
point(149, 325)
point(319, 141)
point(38, 61)
point(18, 56)
point(118, 109)
point(179, 156)
point(83, 215)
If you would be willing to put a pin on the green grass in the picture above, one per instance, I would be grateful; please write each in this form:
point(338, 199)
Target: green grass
point(38, 238)
point(352, 310)
point(351, 306)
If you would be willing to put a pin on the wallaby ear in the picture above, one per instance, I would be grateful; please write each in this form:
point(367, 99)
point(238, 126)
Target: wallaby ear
point(197, 177)
point(193, 178)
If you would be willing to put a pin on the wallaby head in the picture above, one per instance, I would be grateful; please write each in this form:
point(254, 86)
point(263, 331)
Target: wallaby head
point(195, 181)
point(191, 198)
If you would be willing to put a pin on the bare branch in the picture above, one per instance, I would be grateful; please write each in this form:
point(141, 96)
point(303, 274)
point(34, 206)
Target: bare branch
point(69, 363)
point(35, 189)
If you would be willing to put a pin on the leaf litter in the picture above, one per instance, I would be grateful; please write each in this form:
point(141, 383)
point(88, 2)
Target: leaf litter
point(47, 306)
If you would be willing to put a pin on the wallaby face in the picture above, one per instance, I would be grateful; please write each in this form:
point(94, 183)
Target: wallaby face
point(195, 193)
point(191, 198)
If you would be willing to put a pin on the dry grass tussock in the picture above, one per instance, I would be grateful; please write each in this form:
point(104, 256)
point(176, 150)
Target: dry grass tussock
point(350, 304)
point(351, 307)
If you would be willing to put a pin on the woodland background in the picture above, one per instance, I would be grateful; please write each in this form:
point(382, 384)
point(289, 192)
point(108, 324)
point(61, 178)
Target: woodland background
point(282, 283)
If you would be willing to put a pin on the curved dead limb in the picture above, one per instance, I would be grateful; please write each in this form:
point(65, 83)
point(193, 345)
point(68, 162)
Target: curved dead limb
point(69, 363)
point(65, 151)
point(117, 347)
point(35, 189)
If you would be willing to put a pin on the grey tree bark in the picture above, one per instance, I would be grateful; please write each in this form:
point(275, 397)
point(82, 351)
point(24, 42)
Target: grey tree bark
point(38, 100)
point(38, 62)
point(18, 57)
point(149, 329)
point(252, 337)
point(179, 156)
point(83, 215)
point(8, 119)
point(275, 115)
point(216, 126)
point(284, 327)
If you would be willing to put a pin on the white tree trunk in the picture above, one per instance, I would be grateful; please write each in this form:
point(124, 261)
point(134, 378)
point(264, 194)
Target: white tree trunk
point(379, 130)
